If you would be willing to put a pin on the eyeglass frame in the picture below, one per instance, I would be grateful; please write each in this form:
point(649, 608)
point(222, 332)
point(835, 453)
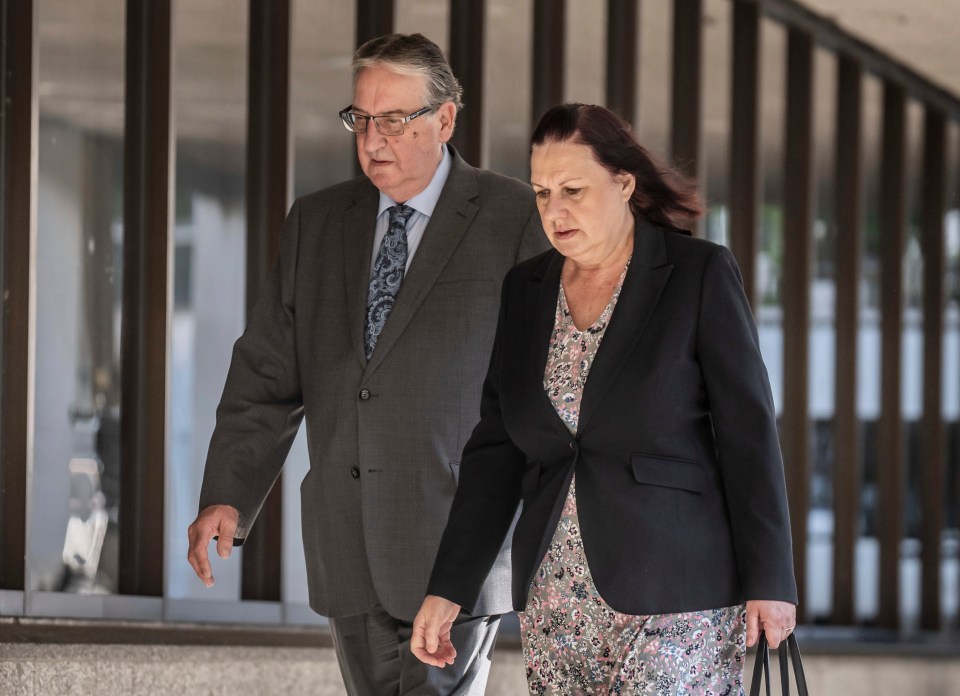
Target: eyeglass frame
point(403, 120)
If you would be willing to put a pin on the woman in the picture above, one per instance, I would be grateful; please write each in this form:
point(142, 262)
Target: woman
point(628, 407)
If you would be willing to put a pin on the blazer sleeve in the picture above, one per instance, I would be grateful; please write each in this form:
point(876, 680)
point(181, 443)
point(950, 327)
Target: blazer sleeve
point(261, 407)
point(744, 422)
point(487, 496)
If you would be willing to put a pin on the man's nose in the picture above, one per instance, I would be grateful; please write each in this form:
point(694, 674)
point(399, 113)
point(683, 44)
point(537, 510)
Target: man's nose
point(373, 139)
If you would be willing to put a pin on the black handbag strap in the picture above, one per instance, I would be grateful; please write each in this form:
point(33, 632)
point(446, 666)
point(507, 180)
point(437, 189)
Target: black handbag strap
point(798, 674)
point(761, 667)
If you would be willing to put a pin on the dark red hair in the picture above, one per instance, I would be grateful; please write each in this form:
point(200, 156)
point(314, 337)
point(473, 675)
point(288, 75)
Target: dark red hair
point(662, 195)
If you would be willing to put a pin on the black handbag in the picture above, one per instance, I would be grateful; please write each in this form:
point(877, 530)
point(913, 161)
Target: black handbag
point(761, 668)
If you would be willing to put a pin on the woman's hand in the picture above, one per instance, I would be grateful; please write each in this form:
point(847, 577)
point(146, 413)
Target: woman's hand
point(775, 619)
point(430, 641)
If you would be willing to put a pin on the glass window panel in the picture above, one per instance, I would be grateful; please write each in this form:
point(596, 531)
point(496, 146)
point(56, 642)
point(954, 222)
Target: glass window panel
point(322, 45)
point(717, 80)
point(911, 364)
point(428, 17)
point(655, 74)
point(821, 380)
point(74, 486)
point(585, 58)
point(867, 566)
point(209, 88)
point(773, 61)
point(507, 87)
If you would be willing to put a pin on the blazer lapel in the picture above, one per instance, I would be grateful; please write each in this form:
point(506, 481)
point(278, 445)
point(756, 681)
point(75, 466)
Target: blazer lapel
point(451, 218)
point(541, 304)
point(642, 287)
point(359, 221)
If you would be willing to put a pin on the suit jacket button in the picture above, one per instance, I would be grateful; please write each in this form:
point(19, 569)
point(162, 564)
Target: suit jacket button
point(364, 394)
point(355, 472)
point(573, 445)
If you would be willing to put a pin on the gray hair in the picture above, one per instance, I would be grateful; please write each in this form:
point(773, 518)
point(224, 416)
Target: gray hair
point(412, 54)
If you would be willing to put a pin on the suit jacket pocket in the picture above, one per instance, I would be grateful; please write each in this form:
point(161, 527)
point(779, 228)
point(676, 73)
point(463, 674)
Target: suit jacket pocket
point(682, 474)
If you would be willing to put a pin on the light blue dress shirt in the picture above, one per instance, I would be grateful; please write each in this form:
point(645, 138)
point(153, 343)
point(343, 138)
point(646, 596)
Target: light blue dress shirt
point(423, 204)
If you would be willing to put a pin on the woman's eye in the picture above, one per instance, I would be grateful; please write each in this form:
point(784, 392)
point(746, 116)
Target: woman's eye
point(573, 191)
point(542, 195)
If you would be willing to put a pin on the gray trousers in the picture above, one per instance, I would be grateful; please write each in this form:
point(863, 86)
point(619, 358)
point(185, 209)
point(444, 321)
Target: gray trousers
point(373, 650)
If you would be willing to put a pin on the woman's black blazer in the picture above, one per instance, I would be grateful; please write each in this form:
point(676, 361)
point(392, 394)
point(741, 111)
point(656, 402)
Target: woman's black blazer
point(680, 486)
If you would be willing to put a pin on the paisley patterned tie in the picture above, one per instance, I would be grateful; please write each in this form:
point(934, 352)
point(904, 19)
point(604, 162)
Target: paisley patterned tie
point(387, 275)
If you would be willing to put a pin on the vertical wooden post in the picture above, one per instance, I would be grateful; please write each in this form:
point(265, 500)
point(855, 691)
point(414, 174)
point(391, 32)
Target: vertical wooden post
point(797, 231)
point(268, 190)
point(145, 332)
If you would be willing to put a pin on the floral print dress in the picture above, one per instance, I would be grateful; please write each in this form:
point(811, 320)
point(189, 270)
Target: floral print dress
point(573, 642)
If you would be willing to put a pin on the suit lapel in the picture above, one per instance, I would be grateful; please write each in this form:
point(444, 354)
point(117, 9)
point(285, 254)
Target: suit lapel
point(359, 221)
point(451, 218)
point(642, 287)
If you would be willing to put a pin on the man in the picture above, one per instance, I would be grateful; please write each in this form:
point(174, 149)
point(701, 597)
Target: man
point(376, 327)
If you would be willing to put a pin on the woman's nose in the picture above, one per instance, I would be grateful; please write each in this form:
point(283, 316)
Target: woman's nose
point(553, 209)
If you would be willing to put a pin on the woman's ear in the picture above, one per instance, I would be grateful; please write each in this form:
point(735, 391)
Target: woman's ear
point(627, 182)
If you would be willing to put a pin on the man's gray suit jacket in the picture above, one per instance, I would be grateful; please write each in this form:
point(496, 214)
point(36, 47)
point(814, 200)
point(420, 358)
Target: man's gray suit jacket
point(384, 437)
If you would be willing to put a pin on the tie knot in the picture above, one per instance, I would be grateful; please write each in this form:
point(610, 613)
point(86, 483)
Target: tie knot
point(399, 214)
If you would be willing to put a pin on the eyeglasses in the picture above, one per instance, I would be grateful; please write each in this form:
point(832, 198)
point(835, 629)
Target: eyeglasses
point(386, 125)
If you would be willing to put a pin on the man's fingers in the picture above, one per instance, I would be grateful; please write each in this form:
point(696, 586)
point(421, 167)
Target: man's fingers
point(217, 520)
point(197, 556)
point(225, 542)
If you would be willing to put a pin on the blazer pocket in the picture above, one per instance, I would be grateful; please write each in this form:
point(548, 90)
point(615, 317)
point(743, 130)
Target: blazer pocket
point(683, 474)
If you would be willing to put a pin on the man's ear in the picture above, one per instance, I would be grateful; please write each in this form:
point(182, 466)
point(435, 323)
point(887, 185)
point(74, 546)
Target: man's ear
point(447, 118)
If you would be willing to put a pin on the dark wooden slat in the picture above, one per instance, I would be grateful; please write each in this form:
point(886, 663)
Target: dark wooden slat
point(890, 442)
point(374, 18)
point(467, 27)
point(954, 444)
point(876, 61)
point(145, 320)
point(549, 26)
point(268, 189)
point(687, 92)
point(849, 205)
point(622, 51)
point(932, 443)
point(18, 168)
point(798, 222)
point(745, 142)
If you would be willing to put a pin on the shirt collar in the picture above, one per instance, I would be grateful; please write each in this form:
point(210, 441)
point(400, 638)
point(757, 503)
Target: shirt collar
point(425, 201)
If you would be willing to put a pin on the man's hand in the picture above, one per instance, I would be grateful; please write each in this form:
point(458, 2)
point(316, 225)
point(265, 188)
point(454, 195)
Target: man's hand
point(430, 641)
point(775, 619)
point(215, 520)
